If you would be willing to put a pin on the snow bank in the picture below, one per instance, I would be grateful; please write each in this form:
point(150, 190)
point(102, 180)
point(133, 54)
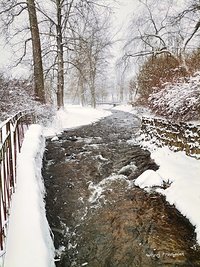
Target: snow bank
point(138, 111)
point(29, 243)
point(125, 108)
point(74, 116)
point(149, 178)
point(183, 173)
point(184, 192)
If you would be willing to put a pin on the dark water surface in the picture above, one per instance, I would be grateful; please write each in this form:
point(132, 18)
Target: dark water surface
point(97, 215)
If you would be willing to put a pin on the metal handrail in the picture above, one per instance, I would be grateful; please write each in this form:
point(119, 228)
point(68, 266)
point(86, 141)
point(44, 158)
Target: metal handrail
point(11, 138)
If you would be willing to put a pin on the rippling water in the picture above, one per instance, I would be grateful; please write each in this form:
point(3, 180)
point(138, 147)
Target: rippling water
point(99, 218)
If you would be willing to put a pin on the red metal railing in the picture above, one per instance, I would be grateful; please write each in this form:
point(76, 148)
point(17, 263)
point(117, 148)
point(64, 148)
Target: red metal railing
point(11, 138)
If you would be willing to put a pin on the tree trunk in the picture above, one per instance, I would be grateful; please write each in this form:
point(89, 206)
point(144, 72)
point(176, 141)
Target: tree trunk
point(60, 78)
point(81, 91)
point(93, 92)
point(121, 92)
point(37, 55)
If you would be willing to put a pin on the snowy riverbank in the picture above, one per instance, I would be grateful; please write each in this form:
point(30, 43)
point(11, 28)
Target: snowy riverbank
point(181, 171)
point(29, 242)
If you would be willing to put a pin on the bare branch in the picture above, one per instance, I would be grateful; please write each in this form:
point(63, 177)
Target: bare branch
point(11, 7)
point(197, 26)
point(24, 53)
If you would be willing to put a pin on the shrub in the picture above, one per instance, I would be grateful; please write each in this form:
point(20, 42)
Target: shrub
point(155, 73)
point(179, 101)
point(18, 95)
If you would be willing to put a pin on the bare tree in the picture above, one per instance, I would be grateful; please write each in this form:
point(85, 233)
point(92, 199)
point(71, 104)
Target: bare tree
point(161, 30)
point(192, 10)
point(37, 56)
point(10, 12)
point(91, 51)
point(62, 44)
point(63, 35)
point(60, 56)
point(132, 88)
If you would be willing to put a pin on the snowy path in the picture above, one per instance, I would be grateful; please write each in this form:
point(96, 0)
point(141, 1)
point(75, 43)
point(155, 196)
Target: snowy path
point(29, 243)
point(97, 214)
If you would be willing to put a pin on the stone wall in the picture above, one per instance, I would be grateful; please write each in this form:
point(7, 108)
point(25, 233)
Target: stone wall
point(178, 136)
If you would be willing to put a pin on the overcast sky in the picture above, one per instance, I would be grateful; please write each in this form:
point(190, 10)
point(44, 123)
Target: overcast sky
point(122, 15)
point(124, 10)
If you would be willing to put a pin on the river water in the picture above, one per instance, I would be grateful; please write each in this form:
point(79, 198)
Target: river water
point(98, 217)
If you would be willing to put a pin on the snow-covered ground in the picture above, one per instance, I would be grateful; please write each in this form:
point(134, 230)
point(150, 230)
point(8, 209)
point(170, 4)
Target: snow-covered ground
point(138, 111)
point(182, 171)
point(74, 116)
point(184, 192)
point(29, 242)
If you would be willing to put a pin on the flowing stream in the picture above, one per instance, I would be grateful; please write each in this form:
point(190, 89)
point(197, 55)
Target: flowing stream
point(98, 217)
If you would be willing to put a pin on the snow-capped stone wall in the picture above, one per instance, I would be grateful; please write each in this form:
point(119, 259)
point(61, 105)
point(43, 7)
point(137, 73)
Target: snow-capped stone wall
point(177, 136)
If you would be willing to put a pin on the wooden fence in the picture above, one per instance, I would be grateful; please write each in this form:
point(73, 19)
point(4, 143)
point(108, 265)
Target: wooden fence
point(11, 138)
point(178, 136)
